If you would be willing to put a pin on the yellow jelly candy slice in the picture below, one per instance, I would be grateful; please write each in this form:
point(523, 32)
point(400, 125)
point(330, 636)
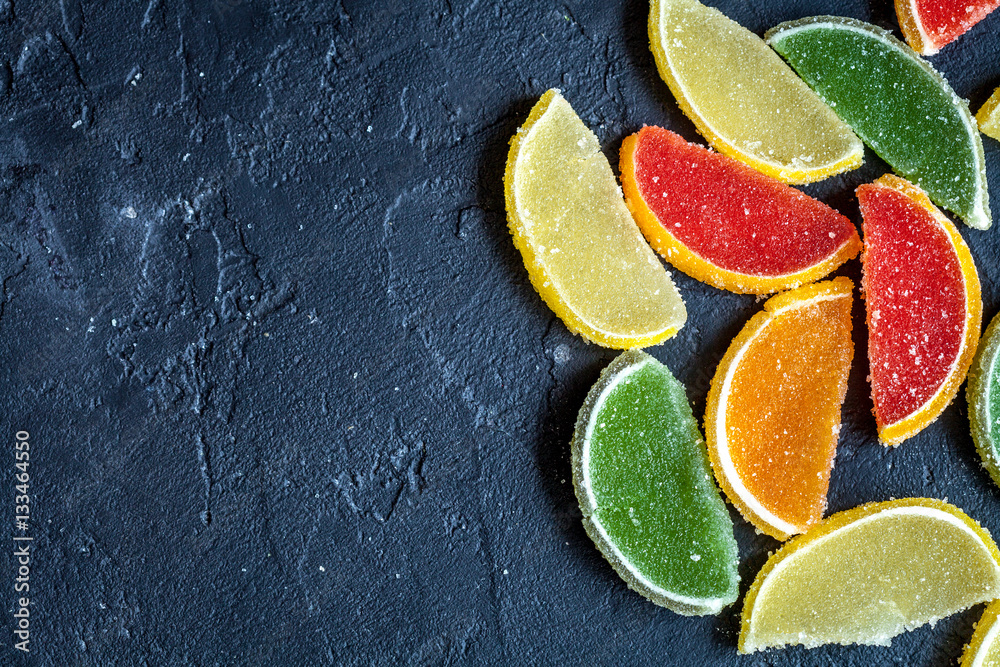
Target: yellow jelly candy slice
point(744, 99)
point(583, 251)
point(868, 574)
point(989, 116)
point(984, 649)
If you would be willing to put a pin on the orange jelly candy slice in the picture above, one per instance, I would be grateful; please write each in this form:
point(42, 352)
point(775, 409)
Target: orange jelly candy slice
point(924, 306)
point(725, 223)
point(773, 412)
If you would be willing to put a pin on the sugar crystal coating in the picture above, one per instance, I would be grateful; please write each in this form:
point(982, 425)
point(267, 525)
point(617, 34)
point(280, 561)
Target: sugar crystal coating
point(744, 100)
point(929, 25)
point(645, 488)
point(583, 251)
point(724, 223)
point(903, 109)
point(924, 306)
point(773, 412)
point(866, 575)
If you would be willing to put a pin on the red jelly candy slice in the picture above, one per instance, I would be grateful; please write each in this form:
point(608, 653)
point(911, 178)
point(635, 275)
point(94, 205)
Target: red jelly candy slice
point(931, 24)
point(924, 306)
point(726, 224)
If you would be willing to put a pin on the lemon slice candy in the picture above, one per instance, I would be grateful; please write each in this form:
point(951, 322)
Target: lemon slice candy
point(988, 116)
point(984, 648)
point(744, 99)
point(866, 575)
point(583, 251)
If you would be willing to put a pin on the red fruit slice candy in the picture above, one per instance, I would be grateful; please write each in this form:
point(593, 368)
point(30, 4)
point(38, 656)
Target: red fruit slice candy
point(931, 24)
point(726, 224)
point(924, 306)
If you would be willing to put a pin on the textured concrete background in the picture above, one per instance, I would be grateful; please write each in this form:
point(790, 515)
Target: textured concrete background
point(291, 397)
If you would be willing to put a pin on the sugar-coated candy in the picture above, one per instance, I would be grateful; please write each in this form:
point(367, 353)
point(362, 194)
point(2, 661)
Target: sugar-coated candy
point(924, 306)
point(988, 116)
point(584, 253)
point(865, 575)
point(744, 100)
point(773, 413)
point(983, 394)
point(897, 103)
point(984, 647)
point(726, 224)
point(645, 487)
point(929, 25)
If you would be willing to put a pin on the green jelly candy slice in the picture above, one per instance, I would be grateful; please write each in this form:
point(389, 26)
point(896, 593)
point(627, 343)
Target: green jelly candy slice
point(897, 103)
point(642, 475)
point(983, 393)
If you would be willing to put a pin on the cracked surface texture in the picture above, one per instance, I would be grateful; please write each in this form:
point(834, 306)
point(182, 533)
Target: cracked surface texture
point(292, 398)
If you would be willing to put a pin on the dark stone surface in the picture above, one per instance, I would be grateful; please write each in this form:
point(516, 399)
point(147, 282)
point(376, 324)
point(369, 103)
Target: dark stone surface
point(291, 397)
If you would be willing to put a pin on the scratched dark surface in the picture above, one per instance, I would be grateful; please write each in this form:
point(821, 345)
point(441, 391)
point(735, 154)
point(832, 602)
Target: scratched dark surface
point(291, 397)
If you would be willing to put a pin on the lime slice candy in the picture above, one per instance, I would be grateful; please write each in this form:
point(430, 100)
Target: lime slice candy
point(903, 109)
point(643, 480)
point(983, 394)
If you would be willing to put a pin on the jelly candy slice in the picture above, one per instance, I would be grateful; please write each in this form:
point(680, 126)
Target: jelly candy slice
point(924, 306)
point(583, 252)
point(897, 104)
point(773, 411)
point(868, 574)
point(743, 98)
point(984, 648)
point(983, 395)
point(720, 221)
point(645, 487)
point(989, 116)
point(929, 25)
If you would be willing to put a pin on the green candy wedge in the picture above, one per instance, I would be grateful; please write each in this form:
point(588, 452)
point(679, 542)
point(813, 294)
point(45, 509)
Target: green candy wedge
point(645, 486)
point(903, 109)
point(983, 394)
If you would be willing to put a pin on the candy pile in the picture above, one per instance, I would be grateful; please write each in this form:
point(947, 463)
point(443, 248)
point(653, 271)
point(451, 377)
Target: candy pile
point(792, 108)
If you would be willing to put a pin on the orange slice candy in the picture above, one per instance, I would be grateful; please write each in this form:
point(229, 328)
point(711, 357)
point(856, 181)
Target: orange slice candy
point(773, 412)
point(726, 224)
point(924, 306)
